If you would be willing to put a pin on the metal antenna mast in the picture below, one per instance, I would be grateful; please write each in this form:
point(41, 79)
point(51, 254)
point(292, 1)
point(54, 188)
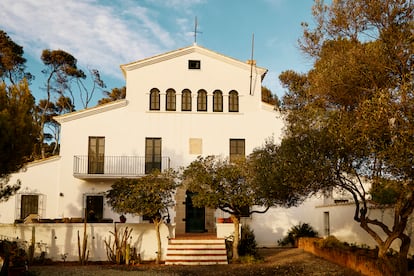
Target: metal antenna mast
point(195, 30)
point(251, 65)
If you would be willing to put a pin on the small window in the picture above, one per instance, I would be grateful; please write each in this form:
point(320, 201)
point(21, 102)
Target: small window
point(154, 99)
point(186, 100)
point(194, 64)
point(202, 100)
point(237, 149)
point(170, 100)
point(233, 101)
point(29, 205)
point(217, 101)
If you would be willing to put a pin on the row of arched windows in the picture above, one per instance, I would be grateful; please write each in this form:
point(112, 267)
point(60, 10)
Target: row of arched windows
point(186, 100)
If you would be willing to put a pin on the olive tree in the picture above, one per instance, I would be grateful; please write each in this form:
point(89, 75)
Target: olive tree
point(245, 185)
point(150, 195)
point(350, 119)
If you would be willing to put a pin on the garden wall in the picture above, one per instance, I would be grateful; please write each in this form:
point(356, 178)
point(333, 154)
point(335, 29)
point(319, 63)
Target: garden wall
point(359, 260)
point(60, 239)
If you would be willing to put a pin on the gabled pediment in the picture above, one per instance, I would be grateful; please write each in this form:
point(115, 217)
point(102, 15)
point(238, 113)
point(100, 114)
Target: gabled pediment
point(186, 51)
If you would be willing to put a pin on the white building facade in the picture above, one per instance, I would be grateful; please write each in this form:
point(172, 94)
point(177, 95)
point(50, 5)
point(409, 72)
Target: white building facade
point(178, 105)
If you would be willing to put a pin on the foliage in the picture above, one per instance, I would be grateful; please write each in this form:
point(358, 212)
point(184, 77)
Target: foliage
point(267, 166)
point(13, 255)
point(224, 185)
point(331, 242)
point(350, 119)
point(62, 75)
point(247, 244)
point(233, 186)
point(19, 132)
point(12, 62)
point(269, 97)
point(296, 232)
point(115, 94)
point(149, 195)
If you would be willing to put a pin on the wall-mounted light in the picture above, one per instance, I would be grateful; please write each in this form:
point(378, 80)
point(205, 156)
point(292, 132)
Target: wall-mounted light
point(61, 194)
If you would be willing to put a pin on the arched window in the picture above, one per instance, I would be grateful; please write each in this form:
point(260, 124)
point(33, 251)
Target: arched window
point(170, 100)
point(186, 100)
point(217, 101)
point(155, 99)
point(202, 100)
point(233, 101)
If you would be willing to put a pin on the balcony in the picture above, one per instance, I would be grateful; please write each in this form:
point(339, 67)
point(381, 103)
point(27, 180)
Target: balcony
point(115, 167)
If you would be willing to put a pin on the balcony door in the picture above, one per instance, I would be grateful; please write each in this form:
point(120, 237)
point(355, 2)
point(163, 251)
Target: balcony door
point(96, 155)
point(152, 154)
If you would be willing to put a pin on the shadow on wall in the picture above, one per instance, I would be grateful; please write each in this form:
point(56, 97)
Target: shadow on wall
point(272, 226)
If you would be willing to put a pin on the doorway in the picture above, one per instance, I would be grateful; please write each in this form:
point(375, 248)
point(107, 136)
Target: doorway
point(194, 217)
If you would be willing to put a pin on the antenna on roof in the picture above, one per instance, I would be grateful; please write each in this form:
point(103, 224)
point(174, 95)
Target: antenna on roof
point(252, 62)
point(195, 30)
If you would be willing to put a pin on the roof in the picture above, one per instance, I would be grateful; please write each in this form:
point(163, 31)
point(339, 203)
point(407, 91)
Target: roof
point(90, 111)
point(185, 51)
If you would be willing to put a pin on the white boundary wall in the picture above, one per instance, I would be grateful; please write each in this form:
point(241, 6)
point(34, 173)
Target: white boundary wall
point(57, 239)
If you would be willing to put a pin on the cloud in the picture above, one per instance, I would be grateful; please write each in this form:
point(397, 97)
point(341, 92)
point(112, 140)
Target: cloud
point(99, 35)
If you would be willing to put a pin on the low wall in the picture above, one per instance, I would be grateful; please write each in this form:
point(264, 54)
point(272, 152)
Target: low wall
point(226, 230)
point(366, 265)
point(59, 239)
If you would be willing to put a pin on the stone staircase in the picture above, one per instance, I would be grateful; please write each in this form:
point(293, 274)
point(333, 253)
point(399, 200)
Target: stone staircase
point(196, 251)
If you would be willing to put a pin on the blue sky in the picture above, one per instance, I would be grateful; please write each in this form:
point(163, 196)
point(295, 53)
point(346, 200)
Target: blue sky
point(104, 34)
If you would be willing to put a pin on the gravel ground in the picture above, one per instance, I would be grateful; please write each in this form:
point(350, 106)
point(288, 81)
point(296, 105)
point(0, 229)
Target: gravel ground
point(291, 261)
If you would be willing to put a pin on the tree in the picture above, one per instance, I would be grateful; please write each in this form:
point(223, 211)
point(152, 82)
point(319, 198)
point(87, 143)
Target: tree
point(115, 94)
point(269, 97)
point(61, 67)
point(350, 119)
point(86, 92)
point(233, 187)
point(18, 132)
point(150, 195)
point(12, 62)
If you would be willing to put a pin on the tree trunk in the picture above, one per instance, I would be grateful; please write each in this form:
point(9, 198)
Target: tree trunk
point(398, 265)
point(403, 253)
point(157, 224)
point(236, 223)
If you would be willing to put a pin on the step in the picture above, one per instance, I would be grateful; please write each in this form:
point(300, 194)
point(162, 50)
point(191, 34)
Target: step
point(187, 251)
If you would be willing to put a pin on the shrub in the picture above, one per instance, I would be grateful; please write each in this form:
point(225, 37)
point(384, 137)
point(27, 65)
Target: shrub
point(247, 244)
point(297, 231)
point(331, 242)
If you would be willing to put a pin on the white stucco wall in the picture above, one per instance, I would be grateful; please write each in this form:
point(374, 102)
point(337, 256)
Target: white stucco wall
point(41, 178)
point(57, 239)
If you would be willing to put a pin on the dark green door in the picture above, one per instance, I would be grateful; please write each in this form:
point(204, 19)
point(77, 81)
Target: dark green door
point(194, 217)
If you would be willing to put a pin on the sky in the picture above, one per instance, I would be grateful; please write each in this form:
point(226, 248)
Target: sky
point(103, 34)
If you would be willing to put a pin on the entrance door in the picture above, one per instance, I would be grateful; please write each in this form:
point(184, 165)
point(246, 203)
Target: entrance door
point(194, 217)
point(94, 208)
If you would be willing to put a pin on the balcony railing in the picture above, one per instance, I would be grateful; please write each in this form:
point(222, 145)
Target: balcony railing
point(112, 167)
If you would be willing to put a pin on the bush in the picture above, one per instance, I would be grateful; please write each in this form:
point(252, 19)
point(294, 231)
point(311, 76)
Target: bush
point(247, 244)
point(331, 242)
point(296, 232)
